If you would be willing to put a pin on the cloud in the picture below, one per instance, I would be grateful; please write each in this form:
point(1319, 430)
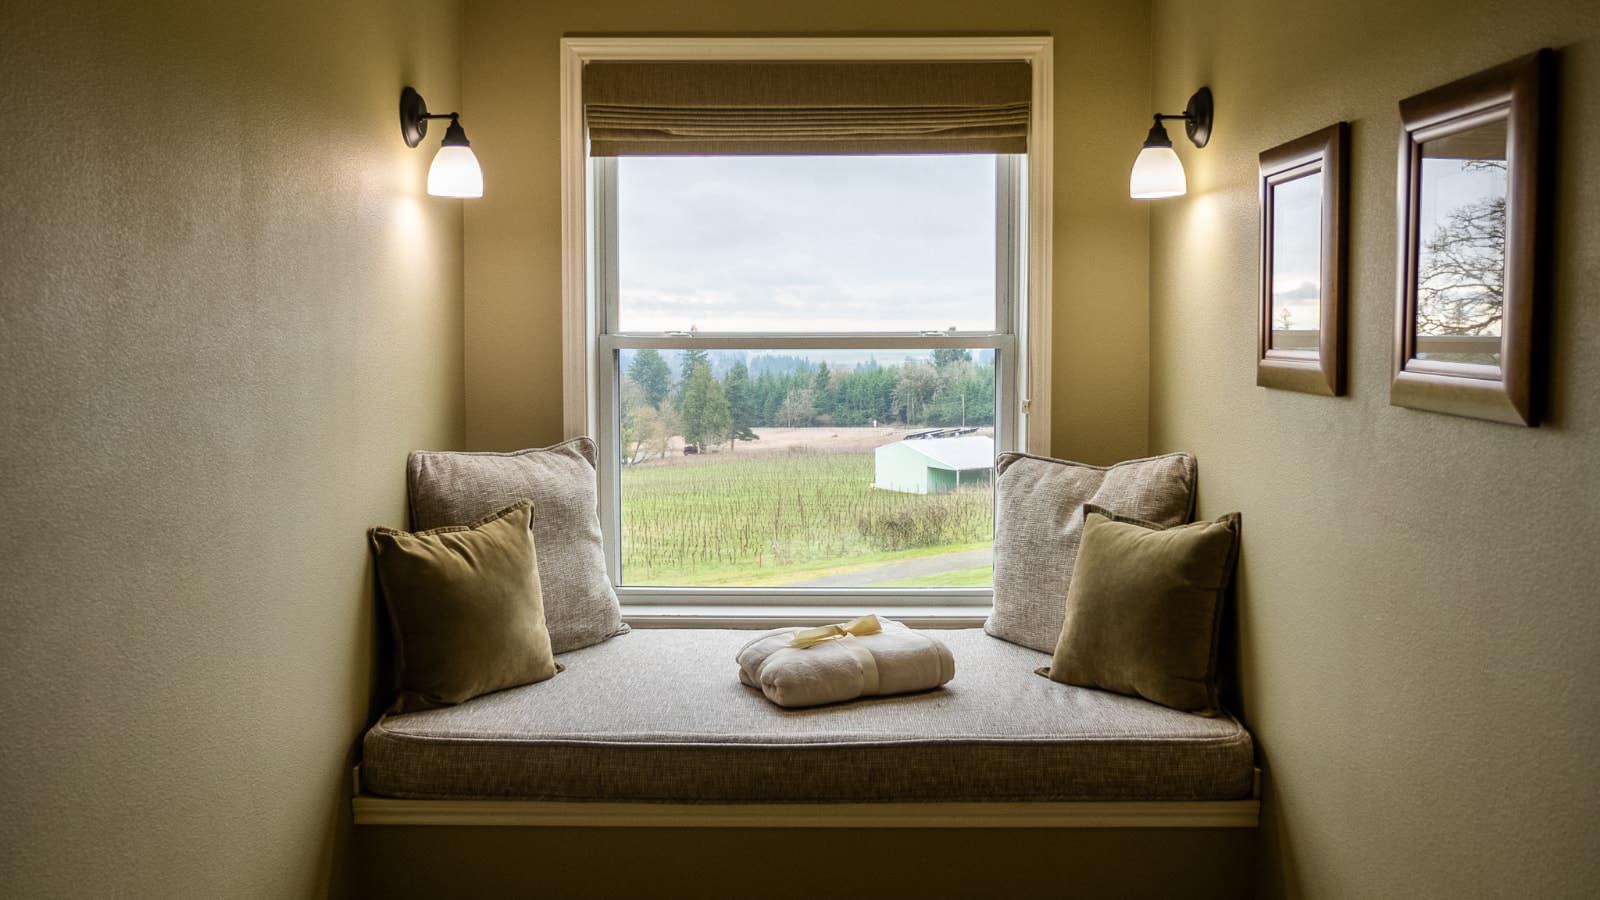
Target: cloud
point(807, 243)
point(1305, 290)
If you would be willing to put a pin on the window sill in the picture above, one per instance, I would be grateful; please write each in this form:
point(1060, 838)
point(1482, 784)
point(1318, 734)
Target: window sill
point(714, 615)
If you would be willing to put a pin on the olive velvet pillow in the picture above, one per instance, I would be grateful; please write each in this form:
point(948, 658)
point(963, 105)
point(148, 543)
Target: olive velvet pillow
point(466, 609)
point(1144, 608)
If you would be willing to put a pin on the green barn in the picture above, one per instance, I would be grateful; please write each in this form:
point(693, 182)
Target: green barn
point(934, 462)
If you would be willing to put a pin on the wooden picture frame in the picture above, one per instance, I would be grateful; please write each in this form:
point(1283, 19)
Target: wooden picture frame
point(1304, 200)
point(1467, 312)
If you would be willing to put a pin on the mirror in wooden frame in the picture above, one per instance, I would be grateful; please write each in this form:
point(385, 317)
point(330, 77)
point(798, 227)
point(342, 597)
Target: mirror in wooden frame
point(1471, 248)
point(1304, 195)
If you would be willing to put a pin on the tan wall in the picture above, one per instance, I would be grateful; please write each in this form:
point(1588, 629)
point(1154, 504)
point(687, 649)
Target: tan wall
point(1419, 615)
point(513, 252)
point(228, 312)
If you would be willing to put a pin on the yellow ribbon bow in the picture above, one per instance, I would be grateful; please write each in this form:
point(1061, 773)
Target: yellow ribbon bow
point(865, 625)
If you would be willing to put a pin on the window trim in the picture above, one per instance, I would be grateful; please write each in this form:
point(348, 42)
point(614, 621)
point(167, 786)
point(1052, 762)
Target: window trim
point(587, 270)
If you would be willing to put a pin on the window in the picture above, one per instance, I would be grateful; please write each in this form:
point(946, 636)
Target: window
point(800, 370)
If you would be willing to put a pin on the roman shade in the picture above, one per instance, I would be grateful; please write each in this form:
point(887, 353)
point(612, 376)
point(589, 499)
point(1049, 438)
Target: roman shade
point(806, 108)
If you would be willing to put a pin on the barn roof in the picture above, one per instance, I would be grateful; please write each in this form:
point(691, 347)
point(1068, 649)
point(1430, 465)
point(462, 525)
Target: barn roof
point(969, 451)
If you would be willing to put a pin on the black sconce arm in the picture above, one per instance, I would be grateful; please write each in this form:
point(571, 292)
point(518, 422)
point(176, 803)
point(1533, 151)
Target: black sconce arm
point(414, 118)
point(1196, 122)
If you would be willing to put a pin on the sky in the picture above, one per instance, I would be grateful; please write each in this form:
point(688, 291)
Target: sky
point(1297, 253)
point(806, 244)
point(1448, 184)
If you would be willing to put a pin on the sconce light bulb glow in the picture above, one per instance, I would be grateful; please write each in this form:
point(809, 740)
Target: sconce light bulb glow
point(455, 173)
point(1157, 172)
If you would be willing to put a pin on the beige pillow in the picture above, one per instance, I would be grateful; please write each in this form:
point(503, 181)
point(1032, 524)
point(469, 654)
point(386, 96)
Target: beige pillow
point(449, 488)
point(1144, 609)
point(1038, 518)
point(465, 606)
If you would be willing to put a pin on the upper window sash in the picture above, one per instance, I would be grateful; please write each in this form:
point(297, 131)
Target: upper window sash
point(1010, 211)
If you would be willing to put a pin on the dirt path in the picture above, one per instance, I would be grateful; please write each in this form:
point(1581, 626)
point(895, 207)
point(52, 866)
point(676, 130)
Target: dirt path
point(783, 441)
point(898, 571)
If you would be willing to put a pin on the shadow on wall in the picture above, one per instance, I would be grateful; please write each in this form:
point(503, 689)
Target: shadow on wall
point(1230, 674)
point(1282, 881)
point(1272, 835)
point(341, 874)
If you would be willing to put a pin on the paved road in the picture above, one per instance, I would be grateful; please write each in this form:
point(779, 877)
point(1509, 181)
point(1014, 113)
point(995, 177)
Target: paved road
point(899, 571)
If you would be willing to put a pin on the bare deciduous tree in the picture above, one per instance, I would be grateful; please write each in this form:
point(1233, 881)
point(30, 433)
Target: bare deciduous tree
point(1461, 284)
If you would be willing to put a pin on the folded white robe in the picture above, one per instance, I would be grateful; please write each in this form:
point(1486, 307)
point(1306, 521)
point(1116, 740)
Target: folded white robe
point(894, 660)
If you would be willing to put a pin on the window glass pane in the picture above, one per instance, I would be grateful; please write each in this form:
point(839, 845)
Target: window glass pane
point(834, 468)
point(806, 244)
point(1461, 252)
point(1297, 263)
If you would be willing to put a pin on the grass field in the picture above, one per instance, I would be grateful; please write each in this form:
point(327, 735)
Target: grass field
point(778, 519)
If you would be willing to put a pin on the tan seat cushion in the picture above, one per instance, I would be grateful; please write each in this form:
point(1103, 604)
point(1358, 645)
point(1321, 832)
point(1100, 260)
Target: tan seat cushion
point(660, 715)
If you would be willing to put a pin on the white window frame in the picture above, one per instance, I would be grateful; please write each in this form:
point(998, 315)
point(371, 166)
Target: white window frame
point(1021, 336)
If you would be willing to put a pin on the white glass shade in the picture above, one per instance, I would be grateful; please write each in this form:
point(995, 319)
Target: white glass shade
point(1157, 173)
point(455, 173)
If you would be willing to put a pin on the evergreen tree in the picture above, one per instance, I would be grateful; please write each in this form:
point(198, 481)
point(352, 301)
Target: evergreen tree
point(965, 396)
point(652, 374)
point(944, 356)
point(706, 419)
point(741, 402)
point(688, 362)
point(692, 358)
point(822, 390)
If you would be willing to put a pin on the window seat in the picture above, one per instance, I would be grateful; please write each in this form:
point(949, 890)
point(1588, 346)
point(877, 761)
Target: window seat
point(656, 726)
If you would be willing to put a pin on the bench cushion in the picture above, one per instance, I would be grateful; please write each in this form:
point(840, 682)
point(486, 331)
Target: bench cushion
point(660, 715)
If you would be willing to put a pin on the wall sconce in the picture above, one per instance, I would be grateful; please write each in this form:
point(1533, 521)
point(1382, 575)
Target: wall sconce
point(455, 171)
point(1157, 171)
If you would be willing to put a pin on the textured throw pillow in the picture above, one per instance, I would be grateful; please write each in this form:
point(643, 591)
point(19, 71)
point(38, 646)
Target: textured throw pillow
point(465, 606)
point(1144, 609)
point(455, 488)
point(1039, 516)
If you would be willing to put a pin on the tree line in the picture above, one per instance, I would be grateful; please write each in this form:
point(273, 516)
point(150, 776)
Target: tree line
point(949, 389)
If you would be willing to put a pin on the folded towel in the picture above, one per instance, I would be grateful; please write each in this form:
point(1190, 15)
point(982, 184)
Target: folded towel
point(862, 658)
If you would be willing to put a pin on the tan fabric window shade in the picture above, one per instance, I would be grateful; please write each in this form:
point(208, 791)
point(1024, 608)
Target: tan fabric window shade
point(753, 108)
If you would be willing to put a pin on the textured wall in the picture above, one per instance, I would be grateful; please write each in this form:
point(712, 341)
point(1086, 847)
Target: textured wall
point(513, 248)
point(228, 311)
point(1419, 615)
